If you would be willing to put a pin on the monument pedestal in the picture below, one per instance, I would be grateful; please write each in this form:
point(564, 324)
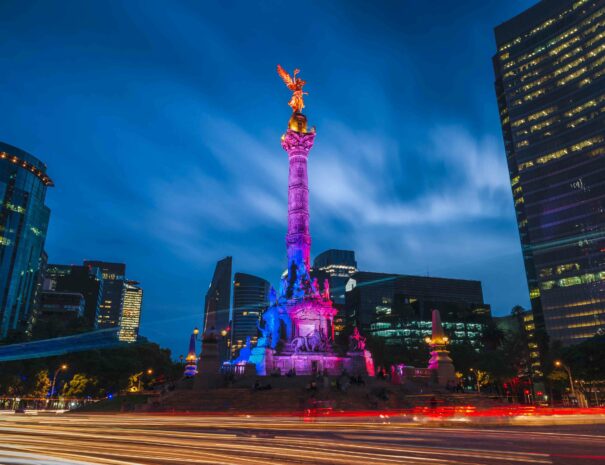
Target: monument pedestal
point(360, 363)
point(443, 367)
point(309, 363)
point(209, 368)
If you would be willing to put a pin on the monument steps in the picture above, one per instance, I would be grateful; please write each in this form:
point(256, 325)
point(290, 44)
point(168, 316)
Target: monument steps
point(291, 395)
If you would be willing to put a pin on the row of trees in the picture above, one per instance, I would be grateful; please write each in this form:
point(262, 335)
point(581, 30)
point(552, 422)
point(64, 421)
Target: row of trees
point(94, 373)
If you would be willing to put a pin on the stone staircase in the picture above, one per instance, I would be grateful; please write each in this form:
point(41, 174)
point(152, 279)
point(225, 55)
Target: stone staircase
point(291, 395)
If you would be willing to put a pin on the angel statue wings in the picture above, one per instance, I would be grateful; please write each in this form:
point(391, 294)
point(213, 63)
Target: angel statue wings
point(295, 84)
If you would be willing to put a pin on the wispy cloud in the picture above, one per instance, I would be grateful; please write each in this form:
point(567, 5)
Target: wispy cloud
point(358, 185)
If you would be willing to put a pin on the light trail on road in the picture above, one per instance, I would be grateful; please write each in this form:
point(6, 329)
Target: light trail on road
point(77, 439)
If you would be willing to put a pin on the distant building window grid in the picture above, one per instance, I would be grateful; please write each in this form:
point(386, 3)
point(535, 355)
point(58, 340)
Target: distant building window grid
point(574, 57)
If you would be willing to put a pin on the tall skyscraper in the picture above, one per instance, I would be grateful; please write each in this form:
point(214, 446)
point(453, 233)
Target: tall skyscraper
point(217, 306)
point(23, 224)
point(250, 295)
point(130, 317)
point(113, 288)
point(339, 266)
point(550, 85)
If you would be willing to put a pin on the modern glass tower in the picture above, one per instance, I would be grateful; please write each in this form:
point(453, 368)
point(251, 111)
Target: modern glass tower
point(130, 318)
point(339, 265)
point(217, 306)
point(23, 224)
point(550, 85)
point(250, 295)
point(110, 310)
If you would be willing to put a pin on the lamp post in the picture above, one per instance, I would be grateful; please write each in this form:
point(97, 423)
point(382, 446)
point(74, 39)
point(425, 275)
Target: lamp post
point(149, 372)
point(560, 364)
point(52, 388)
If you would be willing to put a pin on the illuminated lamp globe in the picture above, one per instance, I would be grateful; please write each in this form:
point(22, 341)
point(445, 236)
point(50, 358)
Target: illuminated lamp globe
point(64, 367)
point(427, 340)
point(196, 331)
point(224, 332)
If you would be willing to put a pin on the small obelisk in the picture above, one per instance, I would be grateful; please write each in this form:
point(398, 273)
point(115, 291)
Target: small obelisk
point(440, 361)
point(209, 367)
point(191, 366)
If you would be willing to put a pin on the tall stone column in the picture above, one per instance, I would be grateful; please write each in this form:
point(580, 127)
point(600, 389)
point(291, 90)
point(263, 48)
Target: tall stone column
point(297, 141)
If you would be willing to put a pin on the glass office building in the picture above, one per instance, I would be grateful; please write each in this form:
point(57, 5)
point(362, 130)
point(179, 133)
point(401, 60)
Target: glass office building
point(130, 317)
point(85, 280)
point(250, 298)
point(339, 266)
point(550, 85)
point(114, 276)
point(399, 308)
point(217, 307)
point(23, 224)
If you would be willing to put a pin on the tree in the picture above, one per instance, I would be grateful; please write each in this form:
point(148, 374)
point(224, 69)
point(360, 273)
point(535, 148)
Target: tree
point(517, 310)
point(41, 384)
point(493, 336)
point(586, 360)
point(80, 385)
point(12, 385)
point(482, 377)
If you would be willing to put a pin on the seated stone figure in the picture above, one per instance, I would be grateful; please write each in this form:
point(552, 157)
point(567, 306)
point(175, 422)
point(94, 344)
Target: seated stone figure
point(357, 343)
point(272, 319)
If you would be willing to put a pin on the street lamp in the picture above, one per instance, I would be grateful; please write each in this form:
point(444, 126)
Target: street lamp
point(52, 388)
point(476, 379)
point(560, 364)
point(149, 372)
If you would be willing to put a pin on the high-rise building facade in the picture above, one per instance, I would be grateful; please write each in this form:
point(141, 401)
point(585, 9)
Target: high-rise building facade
point(85, 280)
point(217, 306)
point(113, 288)
point(550, 85)
point(23, 225)
point(130, 317)
point(61, 304)
point(250, 295)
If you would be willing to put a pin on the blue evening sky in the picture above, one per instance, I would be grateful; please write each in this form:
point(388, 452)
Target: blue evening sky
point(160, 124)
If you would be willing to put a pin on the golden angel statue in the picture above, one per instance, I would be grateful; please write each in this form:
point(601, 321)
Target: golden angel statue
point(295, 85)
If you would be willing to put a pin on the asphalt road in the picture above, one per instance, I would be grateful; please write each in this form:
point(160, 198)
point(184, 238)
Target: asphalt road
point(182, 439)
